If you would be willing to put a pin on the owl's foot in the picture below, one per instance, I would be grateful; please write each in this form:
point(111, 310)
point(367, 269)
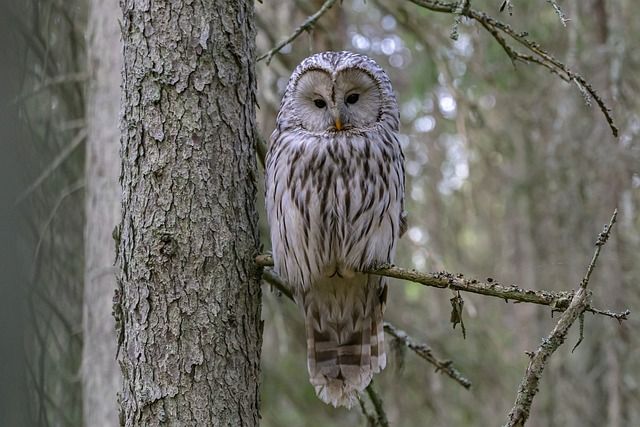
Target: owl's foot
point(340, 271)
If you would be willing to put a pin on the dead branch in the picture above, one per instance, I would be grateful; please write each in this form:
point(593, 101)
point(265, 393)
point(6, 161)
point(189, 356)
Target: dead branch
point(425, 352)
point(76, 186)
point(558, 301)
point(371, 419)
point(579, 304)
point(306, 25)
point(559, 12)
point(60, 158)
point(539, 55)
point(382, 420)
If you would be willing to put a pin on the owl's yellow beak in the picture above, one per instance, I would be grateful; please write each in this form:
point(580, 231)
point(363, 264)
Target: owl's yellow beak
point(337, 120)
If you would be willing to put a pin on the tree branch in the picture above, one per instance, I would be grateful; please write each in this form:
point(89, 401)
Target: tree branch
point(76, 186)
point(559, 301)
point(377, 405)
point(559, 12)
point(371, 420)
point(579, 304)
point(59, 159)
point(306, 25)
point(425, 352)
point(540, 56)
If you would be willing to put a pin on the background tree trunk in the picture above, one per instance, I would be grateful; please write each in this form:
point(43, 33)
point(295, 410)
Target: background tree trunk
point(100, 372)
point(190, 307)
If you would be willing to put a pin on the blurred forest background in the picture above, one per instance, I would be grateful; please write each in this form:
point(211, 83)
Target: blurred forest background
point(510, 176)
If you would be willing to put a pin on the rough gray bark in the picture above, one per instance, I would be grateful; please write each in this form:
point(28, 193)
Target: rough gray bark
point(100, 372)
point(190, 304)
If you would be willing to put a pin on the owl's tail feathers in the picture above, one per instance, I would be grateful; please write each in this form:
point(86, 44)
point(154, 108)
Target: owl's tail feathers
point(343, 356)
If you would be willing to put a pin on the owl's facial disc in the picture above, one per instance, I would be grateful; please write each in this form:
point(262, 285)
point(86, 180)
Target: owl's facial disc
point(358, 98)
point(347, 99)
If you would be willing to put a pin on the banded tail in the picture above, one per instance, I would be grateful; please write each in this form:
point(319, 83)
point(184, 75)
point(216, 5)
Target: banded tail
point(345, 336)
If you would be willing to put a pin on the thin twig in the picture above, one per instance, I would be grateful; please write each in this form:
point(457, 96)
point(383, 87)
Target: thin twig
point(425, 352)
point(275, 280)
point(559, 12)
point(508, 5)
point(541, 56)
point(306, 25)
point(619, 316)
point(602, 239)
point(422, 350)
point(60, 158)
point(371, 420)
point(78, 185)
point(57, 80)
point(377, 405)
point(581, 333)
point(579, 303)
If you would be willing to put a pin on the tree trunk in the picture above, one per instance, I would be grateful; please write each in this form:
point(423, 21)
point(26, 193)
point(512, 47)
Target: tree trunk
point(100, 372)
point(190, 304)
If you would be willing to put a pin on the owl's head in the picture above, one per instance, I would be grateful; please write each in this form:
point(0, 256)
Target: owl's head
point(338, 91)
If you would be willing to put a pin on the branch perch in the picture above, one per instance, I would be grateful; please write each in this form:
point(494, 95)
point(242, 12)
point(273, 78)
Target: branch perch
point(558, 301)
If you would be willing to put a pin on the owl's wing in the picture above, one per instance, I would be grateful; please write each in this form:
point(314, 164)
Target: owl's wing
point(290, 211)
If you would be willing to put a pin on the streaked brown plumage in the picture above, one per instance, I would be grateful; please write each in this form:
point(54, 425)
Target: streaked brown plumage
point(334, 198)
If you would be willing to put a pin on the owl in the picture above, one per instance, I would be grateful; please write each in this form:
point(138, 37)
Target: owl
point(334, 199)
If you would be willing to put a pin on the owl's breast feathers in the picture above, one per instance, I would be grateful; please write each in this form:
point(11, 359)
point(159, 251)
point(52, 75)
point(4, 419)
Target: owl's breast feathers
point(334, 201)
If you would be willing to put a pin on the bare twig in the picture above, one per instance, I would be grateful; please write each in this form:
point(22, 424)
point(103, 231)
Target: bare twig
point(602, 239)
point(508, 5)
point(306, 25)
point(619, 316)
point(581, 335)
point(529, 385)
point(275, 280)
point(559, 12)
point(78, 185)
point(579, 303)
point(371, 419)
point(422, 350)
point(57, 80)
point(540, 56)
point(60, 158)
point(377, 405)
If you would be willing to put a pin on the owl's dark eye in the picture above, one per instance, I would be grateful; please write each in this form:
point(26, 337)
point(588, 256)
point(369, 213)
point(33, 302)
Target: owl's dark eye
point(353, 98)
point(320, 103)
